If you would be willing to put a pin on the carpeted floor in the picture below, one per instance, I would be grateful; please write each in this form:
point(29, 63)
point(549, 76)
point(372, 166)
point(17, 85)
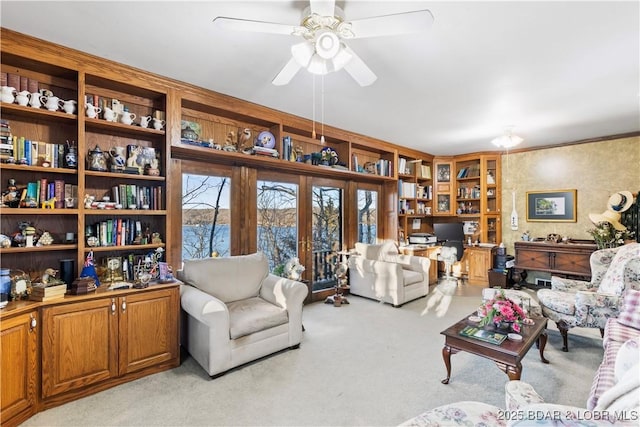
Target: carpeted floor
point(362, 364)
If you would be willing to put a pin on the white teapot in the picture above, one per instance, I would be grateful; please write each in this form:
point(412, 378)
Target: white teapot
point(7, 94)
point(109, 115)
point(22, 98)
point(69, 106)
point(91, 111)
point(127, 118)
point(34, 100)
point(51, 103)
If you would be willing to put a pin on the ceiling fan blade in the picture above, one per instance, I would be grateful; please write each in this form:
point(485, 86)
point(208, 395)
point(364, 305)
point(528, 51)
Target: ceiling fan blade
point(253, 26)
point(359, 70)
point(287, 73)
point(389, 25)
point(323, 7)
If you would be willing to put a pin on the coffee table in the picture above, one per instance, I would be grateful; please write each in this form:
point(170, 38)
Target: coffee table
point(507, 355)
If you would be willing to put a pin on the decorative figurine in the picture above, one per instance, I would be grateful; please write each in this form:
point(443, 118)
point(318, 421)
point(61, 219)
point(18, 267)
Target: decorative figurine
point(229, 144)
point(97, 160)
point(71, 156)
point(45, 239)
point(244, 140)
point(10, 196)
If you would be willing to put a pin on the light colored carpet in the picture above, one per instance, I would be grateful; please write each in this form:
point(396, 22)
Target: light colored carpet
point(361, 364)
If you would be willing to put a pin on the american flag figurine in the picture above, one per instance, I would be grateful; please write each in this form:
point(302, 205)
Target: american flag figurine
point(89, 269)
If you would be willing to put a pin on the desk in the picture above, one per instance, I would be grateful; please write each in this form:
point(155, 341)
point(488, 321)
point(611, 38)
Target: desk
point(561, 259)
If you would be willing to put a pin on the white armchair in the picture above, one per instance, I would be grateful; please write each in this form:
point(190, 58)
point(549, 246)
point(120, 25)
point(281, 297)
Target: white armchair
point(235, 311)
point(381, 273)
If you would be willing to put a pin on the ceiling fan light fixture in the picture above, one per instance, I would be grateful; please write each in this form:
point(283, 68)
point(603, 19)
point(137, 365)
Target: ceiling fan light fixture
point(302, 53)
point(341, 59)
point(508, 140)
point(327, 44)
point(318, 66)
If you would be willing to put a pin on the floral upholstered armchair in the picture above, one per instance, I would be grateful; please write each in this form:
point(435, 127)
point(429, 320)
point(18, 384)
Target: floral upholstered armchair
point(570, 303)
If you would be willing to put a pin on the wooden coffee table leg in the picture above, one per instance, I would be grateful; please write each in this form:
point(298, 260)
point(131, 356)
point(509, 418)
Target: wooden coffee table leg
point(542, 342)
point(513, 372)
point(446, 355)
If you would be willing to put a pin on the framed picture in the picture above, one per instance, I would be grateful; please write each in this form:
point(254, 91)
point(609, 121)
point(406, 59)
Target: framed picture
point(552, 206)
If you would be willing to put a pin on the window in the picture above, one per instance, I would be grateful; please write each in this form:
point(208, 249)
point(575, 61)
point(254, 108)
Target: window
point(205, 216)
point(367, 216)
point(277, 222)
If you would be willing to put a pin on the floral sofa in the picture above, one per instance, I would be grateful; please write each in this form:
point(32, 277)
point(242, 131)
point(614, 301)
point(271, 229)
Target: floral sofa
point(571, 303)
point(614, 398)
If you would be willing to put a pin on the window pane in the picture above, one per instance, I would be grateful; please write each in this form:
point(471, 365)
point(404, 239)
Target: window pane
point(367, 216)
point(205, 216)
point(326, 235)
point(278, 223)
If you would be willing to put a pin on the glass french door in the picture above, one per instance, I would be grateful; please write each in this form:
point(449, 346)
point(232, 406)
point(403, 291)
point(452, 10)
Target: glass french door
point(324, 233)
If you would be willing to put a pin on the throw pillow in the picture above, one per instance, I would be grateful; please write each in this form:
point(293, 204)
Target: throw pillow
point(630, 312)
point(627, 356)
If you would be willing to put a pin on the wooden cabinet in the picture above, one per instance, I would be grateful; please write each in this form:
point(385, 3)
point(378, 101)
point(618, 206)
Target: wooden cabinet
point(96, 342)
point(19, 368)
point(475, 265)
point(567, 259)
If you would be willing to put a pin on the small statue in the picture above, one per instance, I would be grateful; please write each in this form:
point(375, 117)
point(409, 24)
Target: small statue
point(244, 140)
point(49, 277)
point(229, 142)
point(10, 196)
point(155, 238)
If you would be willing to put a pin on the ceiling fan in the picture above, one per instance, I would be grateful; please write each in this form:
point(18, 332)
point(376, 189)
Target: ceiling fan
point(324, 30)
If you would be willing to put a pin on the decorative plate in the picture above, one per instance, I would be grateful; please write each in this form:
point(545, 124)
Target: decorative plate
point(266, 139)
point(474, 319)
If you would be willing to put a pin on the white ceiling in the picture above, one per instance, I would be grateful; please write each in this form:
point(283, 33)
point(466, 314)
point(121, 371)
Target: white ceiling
point(558, 71)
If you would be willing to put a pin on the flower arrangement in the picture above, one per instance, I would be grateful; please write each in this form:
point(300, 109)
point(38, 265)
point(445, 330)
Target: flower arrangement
point(606, 236)
point(501, 309)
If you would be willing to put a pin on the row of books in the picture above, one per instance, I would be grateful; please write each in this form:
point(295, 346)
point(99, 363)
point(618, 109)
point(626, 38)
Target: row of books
point(38, 192)
point(380, 167)
point(34, 153)
point(469, 192)
point(288, 151)
point(407, 167)
point(129, 195)
point(6, 140)
point(19, 82)
point(472, 171)
point(412, 190)
point(119, 232)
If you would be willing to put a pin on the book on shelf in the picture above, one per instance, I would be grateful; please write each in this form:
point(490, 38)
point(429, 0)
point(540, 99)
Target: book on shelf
point(424, 172)
point(482, 334)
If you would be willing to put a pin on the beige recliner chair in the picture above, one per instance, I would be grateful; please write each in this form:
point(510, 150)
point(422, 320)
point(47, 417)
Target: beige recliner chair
point(235, 311)
point(381, 273)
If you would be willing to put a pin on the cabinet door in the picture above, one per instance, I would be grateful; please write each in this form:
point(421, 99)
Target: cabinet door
point(18, 342)
point(534, 260)
point(572, 263)
point(79, 345)
point(148, 329)
point(479, 265)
